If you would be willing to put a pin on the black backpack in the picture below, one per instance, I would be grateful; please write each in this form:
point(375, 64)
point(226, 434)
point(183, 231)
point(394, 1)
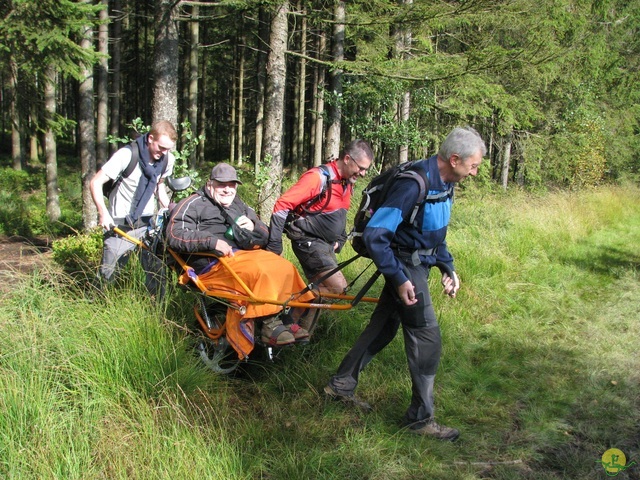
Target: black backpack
point(376, 191)
point(304, 209)
point(110, 185)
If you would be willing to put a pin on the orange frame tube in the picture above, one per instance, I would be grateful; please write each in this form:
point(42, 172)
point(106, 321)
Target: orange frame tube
point(249, 295)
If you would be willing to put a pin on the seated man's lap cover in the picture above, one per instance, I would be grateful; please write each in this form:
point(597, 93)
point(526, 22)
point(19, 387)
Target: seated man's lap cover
point(268, 276)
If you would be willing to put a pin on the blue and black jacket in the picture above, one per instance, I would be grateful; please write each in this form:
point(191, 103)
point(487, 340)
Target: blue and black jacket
point(388, 232)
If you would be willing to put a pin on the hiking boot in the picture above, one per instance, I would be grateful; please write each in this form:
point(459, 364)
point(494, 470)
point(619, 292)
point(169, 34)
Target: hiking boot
point(437, 431)
point(309, 319)
point(274, 333)
point(300, 334)
point(347, 399)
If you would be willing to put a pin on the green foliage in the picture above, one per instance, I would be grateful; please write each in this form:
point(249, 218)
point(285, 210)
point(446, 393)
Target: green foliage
point(262, 176)
point(517, 67)
point(19, 181)
point(189, 144)
point(42, 33)
point(19, 205)
point(539, 368)
point(62, 127)
point(590, 163)
point(482, 183)
point(14, 215)
point(81, 253)
point(137, 126)
point(23, 203)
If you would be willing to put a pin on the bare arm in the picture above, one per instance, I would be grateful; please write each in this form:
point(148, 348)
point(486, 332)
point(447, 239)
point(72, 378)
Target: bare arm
point(104, 218)
point(161, 193)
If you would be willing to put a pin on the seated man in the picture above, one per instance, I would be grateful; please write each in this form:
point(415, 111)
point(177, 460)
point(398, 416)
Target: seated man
point(202, 223)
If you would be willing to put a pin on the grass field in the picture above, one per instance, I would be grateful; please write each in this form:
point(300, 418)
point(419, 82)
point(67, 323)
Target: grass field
point(540, 368)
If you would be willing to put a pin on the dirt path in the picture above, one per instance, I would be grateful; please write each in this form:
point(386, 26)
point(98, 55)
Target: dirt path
point(21, 256)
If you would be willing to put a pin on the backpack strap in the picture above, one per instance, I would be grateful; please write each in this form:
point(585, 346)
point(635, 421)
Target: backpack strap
point(326, 179)
point(424, 196)
point(419, 175)
point(228, 221)
point(440, 196)
point(135, 156)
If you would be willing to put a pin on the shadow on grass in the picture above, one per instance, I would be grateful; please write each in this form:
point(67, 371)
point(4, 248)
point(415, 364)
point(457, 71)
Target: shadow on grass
point(606, 261)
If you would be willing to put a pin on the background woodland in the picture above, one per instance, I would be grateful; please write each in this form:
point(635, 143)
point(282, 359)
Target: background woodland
point(278, 86)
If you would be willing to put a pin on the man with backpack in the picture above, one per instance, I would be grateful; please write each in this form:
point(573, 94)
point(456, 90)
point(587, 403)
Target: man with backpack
point(137, 172)
point(404, 250)
point(313, 213)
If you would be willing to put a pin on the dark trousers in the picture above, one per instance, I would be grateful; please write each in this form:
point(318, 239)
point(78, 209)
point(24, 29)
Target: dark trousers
point(115, 254)
point(422, 344)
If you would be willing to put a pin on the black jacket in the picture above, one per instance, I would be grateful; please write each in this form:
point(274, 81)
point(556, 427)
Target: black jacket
point(196, 224)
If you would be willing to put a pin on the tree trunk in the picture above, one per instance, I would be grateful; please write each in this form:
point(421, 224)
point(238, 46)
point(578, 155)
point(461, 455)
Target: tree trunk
point(194, 36)
point(165, 64)
point(116, 62)
point(35, 147)
point(241, 68)
point(102, 90)
point(260, 88)
point(403, 45)
point(506, 159)
point(299, 162)
point(86, 127)
point(51, 161)
point(405, 107)
point(234, 109)
point(335, 108)
point(17, 150)
point(295, 107)
point(314, 109)
point(319, 88)
point(274, 111)
point(202, 111)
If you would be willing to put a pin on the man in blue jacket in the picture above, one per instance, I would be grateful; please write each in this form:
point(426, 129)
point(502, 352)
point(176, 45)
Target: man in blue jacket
point(404, 254)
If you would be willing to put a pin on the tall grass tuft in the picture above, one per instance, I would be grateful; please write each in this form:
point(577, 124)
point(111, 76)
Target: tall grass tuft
point(539, 368)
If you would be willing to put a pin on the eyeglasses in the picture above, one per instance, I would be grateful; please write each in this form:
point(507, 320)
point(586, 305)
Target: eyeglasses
point(360, 167)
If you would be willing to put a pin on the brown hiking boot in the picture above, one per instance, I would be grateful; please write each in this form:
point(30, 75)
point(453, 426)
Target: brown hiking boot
point(300, 334)
point(347, 399)
point(309, 320)
point(274, 333)
point(437, 431)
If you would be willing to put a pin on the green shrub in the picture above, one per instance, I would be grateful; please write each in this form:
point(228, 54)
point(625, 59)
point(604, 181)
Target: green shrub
point(18, 181)
point(80, 253)
point(14, 214)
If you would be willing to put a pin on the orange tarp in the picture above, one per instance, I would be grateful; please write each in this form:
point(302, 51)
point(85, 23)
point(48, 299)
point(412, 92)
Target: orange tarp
point(268, 276)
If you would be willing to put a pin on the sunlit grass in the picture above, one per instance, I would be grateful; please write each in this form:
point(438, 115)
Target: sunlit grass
point(539, 368)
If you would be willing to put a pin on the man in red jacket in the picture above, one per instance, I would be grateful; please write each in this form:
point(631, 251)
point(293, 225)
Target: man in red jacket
point(313, 214)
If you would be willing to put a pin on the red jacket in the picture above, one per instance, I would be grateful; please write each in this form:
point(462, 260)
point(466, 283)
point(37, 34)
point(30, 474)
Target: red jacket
point(327, 219)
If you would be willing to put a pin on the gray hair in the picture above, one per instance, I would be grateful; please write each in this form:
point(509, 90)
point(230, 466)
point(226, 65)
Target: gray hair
point(358, 149)
point(462, 141)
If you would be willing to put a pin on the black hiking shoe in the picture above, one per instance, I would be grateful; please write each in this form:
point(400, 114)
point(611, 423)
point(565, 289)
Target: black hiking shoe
point(351, 400)
point(437, 431)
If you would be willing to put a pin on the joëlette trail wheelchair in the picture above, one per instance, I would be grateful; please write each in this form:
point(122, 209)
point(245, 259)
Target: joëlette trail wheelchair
point(227, 334)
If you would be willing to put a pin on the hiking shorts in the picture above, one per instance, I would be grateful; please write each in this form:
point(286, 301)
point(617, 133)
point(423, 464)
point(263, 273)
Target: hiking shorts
point(315, 256)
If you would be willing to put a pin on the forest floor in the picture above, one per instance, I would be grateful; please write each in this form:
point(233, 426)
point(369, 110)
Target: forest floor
point(20, 256)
